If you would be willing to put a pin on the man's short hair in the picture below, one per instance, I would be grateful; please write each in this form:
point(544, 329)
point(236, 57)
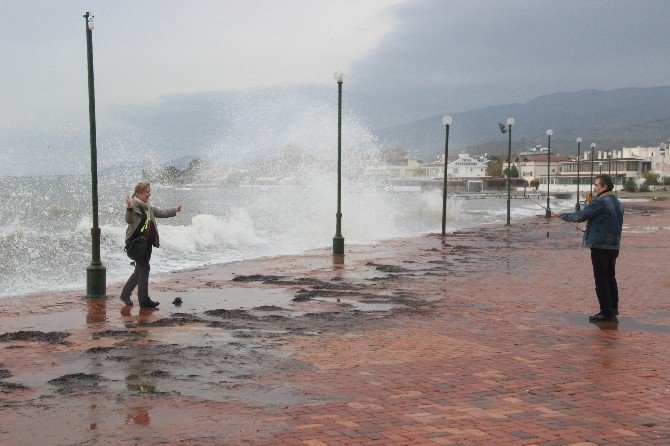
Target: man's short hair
point(605, 180)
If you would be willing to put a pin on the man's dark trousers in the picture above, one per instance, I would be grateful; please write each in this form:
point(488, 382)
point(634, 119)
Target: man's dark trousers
point(604, 265)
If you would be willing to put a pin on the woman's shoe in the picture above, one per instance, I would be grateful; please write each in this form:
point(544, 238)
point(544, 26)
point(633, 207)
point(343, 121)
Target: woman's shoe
point(127, 301)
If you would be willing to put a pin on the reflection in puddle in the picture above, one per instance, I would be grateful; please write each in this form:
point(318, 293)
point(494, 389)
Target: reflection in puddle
point(96, 310)
point(362, 306)
point(141, 388)
point(623, 323)
point(139, 417)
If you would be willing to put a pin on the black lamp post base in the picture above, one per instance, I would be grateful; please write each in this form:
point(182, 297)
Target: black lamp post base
point(577, 207)
point(338, 245)
point(96, 281)
point(547, 213)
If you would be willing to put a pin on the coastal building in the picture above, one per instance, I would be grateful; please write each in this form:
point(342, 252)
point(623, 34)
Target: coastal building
point(532, 165)
point(404, 168)
point(621, 164)
point(615, 163)
point(462, 166)
point(658, 156)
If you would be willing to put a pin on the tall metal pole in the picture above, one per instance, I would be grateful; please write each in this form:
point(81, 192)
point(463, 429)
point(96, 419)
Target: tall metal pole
point(96, 272)
point(338, 240)
point(510, 123)
point(593, 150)
point(579, 146)
point(447, 123)
point(549, 133)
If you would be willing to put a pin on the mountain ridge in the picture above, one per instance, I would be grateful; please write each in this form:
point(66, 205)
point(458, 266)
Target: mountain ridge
point(611, 118)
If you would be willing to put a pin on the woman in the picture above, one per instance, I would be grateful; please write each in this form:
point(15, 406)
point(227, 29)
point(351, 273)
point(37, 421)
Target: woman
point(140, 216)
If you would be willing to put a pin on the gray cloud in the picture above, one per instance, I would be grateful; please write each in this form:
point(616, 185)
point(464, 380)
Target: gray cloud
point(440, 57)
point(451, 56)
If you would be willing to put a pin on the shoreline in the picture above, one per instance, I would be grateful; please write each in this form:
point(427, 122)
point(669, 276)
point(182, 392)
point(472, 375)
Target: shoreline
point(158, 277)
point(474, 338)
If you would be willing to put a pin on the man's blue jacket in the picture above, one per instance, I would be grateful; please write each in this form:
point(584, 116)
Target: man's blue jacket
point(604, 221)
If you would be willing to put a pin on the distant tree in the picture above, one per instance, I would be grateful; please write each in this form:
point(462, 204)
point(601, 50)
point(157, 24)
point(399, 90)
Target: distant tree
point(666, 181)
point(392, 154)
point(651, 178)
point(630, 186)
point(494, 167)
point(514, 172)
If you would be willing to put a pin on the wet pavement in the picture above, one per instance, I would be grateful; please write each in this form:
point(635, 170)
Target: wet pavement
point(480, 337)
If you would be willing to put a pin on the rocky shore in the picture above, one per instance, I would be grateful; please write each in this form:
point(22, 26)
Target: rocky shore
point(480, 337)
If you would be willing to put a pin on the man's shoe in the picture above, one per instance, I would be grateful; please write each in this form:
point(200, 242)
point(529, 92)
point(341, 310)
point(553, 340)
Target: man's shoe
point(599, 317)
point(616, 312)
point(150, 304)
point(127, 301)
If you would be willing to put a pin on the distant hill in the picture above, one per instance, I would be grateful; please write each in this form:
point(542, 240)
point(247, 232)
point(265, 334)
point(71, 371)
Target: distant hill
point(611, 119)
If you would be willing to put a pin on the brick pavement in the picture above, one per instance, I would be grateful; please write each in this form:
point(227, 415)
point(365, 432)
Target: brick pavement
point(506, 356)
point(489, 344)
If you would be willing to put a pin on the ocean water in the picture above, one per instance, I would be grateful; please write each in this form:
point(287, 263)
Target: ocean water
point(45, 242)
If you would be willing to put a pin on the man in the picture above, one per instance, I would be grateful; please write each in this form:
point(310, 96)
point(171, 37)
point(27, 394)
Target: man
point(604, 221)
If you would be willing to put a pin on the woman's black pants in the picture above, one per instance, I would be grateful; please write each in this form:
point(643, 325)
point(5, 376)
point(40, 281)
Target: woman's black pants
point(604, 265)
point(139, 279)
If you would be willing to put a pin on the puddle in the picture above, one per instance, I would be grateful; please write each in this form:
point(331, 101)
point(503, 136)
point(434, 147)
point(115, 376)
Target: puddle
point(191, 336)
point(362, 306)
point(552, 234)
point(624, 323)
point(223, 298)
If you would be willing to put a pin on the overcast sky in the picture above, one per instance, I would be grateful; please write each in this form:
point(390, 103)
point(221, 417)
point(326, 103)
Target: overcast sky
point(404, 59)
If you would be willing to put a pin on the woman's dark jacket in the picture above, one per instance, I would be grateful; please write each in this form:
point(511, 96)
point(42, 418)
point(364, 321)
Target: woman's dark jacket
point(135, 217)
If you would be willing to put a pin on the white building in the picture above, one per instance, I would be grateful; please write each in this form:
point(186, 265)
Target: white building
point(405, 168)
point(466, 167)
point(462, 166)
point(531, 166)
point(658, 156)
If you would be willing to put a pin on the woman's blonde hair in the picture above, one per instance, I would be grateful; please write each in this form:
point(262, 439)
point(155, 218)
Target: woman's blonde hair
point(141, 187)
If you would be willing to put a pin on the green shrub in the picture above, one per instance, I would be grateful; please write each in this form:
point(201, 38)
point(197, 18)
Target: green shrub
point(644, 187)
point(651, 178)
point(630, 185)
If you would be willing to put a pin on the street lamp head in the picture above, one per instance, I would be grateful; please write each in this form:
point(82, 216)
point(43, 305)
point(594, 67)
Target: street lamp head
point(447, 120)
point(550, 132)
point(579, 139)
point(510, 121)
point(339, 77)
point(593, 145)
point(91, 23)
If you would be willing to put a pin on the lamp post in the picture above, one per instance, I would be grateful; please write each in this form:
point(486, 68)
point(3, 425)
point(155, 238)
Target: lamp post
point(593, 150)
point(510, 123)
point(338, 240)
point(447, 123)
point(549, 133)
point(579, 146)
point(96, 272)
